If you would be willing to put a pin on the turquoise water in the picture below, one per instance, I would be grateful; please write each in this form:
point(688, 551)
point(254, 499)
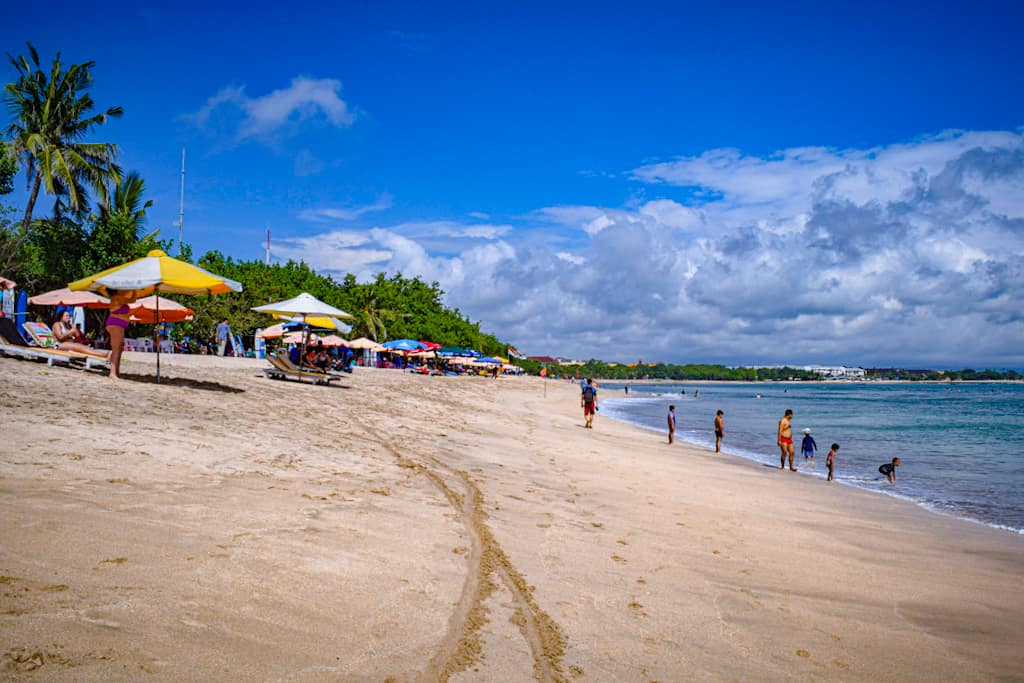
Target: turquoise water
point(961, 446)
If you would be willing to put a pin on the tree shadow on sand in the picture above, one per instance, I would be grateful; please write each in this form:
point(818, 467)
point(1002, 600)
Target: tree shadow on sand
point(182, 382)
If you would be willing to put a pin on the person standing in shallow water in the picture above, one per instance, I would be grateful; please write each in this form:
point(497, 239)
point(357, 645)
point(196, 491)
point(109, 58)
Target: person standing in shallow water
point(671, 423)
point(830, 462)
point(785, 440)
point(719, 431)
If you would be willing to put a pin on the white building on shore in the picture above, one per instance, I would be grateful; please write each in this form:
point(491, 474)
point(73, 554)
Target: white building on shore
point(835, 371)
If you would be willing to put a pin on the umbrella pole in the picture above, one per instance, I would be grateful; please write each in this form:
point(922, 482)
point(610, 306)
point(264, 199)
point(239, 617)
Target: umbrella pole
point(156, 326)
point(305, 339)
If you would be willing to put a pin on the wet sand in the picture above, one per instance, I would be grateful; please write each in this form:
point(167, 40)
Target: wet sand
point(227, 526)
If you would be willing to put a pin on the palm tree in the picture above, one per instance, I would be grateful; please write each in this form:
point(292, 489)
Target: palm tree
point(50, 115)
point(371, 320)
point(127, 200)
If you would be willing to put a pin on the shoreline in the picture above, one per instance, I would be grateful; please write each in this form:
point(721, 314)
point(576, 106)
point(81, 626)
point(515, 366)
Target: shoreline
point(227, 525)
point(816, 381)
point(819, 475)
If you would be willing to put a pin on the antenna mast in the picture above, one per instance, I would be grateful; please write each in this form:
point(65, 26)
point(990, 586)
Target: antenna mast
point(181, 206)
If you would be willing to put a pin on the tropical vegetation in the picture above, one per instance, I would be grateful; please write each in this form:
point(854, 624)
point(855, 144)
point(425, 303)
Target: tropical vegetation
point(51, 114)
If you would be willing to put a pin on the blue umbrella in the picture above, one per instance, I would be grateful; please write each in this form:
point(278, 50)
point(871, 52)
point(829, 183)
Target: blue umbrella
point(488, 359)
point(404, 345)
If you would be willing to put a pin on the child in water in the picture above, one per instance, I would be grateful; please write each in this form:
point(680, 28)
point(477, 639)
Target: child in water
point(808, 446)
point(830, 462)
point(889, 470)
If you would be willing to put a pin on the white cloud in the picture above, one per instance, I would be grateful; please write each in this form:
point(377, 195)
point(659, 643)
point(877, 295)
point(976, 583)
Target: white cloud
point(335, 214)
point(910, 253)
point(233, 113)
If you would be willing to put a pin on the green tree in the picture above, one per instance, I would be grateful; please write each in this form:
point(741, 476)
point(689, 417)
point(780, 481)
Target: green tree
point(51, 116)
point(371, 317)
point(8, 169)
point(116, 236)
point(127, 200)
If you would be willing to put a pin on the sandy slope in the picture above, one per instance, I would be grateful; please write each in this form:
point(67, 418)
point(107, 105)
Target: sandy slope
point(223, 525)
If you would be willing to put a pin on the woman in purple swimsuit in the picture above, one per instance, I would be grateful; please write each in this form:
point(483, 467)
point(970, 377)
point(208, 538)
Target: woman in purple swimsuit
point(117, 325)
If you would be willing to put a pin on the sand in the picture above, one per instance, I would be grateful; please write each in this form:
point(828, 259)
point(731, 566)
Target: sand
point(398, 527)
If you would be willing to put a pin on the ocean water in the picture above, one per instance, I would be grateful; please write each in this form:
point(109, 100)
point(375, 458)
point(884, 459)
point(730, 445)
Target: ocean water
point(961, 446)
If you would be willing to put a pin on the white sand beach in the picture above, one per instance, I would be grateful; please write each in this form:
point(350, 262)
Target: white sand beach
point(224, 526)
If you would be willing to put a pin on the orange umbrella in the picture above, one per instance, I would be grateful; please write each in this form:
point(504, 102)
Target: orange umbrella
point(298, 337)
point(272, 332)
point(66, 297)
point(145, 310)
point(332, 340)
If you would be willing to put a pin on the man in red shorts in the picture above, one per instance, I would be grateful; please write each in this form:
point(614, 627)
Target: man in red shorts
point(588, 400)
point(786, 440)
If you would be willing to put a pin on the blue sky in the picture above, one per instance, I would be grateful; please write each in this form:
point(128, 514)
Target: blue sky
point(724, 184)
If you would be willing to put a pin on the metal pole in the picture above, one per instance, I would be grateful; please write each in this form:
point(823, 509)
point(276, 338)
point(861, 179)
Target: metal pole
point(157, 335)
point(181, 206)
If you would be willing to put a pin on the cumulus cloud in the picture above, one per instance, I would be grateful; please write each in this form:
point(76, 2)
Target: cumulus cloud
point(233, 113)
point(910, 253)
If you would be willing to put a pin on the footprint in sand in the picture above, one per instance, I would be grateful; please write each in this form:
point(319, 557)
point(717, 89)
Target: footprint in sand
point(803, 653)
point(618, 558)
point(638, 608)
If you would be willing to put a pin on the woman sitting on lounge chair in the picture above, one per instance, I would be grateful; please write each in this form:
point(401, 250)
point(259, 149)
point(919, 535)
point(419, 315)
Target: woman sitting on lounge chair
point(64, 332)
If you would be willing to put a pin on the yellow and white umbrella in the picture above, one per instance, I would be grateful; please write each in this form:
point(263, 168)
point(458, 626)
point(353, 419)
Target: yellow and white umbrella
point(156, 272)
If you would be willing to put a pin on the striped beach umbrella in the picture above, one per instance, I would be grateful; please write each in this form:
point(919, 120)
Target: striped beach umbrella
point(156, 272)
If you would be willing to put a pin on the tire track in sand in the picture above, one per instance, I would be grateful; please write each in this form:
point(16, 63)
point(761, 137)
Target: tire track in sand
point(488, 564)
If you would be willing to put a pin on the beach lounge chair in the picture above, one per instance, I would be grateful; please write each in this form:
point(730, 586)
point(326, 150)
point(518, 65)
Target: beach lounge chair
point(316, 371)
point(280, 370)
point(43, 337)
point(12, 343)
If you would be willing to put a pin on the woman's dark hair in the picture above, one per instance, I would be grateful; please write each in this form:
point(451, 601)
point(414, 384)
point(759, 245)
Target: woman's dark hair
point(835, 447)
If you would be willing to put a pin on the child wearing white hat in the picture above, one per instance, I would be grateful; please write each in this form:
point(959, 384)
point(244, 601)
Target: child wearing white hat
point(808, 446)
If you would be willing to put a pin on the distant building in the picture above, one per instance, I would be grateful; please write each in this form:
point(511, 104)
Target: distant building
point(835, 371)
point(546, 360)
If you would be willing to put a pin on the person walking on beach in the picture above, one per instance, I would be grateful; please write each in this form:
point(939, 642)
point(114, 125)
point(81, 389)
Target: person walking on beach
point(830, 461)
point(889, 470)
point(808, 446)
point(719, 431)
point(588, 400)
point(785, 440)
point(671, 423)
point(223, 330)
